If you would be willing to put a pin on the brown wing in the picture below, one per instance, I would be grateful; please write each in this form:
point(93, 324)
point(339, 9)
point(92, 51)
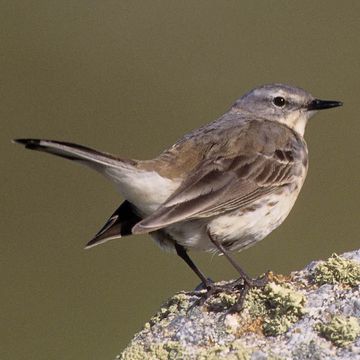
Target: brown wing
point(220, 185)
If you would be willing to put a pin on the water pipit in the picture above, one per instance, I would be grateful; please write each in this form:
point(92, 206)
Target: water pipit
point(222, 187)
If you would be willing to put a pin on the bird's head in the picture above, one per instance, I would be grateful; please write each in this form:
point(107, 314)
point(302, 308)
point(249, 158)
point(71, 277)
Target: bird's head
point(286, 104)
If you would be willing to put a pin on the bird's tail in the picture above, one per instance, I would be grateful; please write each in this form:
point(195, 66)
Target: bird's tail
point(88, 156)
point(112, 167)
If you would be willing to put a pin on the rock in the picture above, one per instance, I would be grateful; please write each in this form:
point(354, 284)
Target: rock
point(311, 314)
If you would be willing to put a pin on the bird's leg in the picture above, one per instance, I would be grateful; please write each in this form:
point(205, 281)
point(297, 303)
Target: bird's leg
point(245, 280)
point(206, 283)
point(181, 251)
point(243, 275)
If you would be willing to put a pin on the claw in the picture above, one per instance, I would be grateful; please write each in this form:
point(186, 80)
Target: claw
point(203, 286)
point(260, 281)
point(253, 283)
point(241, 286)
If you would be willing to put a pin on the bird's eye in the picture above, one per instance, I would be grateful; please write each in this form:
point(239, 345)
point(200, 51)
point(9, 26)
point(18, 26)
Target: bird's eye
point(279, 101)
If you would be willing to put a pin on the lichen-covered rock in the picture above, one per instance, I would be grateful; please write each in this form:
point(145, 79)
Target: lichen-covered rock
point(337, 270)
point(311, 314)
point(278, 306)
point(341, 330)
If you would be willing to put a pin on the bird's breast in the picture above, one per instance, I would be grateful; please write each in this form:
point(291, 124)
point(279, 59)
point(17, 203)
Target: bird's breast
point(244, 227)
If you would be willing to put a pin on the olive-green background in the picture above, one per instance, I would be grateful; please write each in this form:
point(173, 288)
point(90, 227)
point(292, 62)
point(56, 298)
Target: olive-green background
point(130, 77)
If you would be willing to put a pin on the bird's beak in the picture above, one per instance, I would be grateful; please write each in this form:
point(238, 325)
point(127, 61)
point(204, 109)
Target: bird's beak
point(317, 104)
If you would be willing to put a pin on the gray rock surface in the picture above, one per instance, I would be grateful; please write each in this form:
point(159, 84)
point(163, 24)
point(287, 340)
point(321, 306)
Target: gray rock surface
point(311, 314)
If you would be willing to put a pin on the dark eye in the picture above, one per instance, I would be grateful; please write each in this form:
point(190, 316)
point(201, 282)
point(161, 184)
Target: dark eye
point(279, 101)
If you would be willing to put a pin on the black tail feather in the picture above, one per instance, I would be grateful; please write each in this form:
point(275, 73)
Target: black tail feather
point(74, 152)
point(119, 224)
point(32, 144)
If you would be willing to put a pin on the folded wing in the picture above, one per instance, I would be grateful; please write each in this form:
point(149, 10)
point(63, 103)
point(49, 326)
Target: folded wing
point(223, 184)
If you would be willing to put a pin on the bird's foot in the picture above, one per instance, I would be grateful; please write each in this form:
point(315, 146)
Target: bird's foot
point(239, 288)
point(247, 285)
point(206, 291)
point(203, 286)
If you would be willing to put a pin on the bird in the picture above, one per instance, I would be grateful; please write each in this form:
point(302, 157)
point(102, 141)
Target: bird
point(221, 188)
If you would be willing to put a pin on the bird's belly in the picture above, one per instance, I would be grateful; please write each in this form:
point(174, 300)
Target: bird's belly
point(241, 229)
point(238, 229)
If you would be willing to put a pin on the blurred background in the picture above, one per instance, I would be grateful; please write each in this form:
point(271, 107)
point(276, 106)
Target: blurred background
point(131, 77)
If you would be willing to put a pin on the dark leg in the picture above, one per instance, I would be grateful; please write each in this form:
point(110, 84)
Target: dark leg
point(207, 284)
point(181, 251)
point(247, 279)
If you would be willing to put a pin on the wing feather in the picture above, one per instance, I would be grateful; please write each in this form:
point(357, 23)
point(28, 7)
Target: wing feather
point(222, 185)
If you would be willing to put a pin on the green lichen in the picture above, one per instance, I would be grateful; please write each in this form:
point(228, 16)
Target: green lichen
point(211, 353)
point(170, 350)
point(239, 351)
point(341, 330)
point(337, 270)
point(234, 351)
point(279, 306)
point(275, 357)
point(176, 305)
point(221, 301)
point(133, 352)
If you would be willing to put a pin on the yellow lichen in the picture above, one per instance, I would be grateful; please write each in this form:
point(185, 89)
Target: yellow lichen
point(234, 351)
point(177, 304)
point(170, 350)
point(279, 306)
point(337, 270)
point(133, 352)
point(341, 330)
point(222, 301)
